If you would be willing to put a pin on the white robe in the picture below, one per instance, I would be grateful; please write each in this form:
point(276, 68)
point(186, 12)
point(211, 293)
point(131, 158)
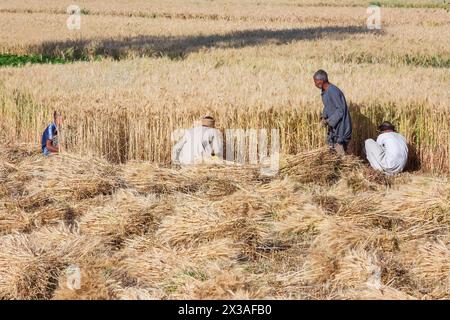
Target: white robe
point(389, 153)
point(197, 144)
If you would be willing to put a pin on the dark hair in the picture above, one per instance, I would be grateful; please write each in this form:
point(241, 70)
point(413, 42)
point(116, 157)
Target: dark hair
point(386, 125)
point(56, 113)
point(321, 75)
point(208, 117)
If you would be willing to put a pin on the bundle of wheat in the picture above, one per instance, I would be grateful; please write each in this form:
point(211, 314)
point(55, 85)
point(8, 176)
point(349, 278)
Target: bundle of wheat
point(247, 203)
point(367, 179)
point(216, 188)
point(169, 268)
point(238, 173)
point(194, 221)
point(266, 200)
point(320, 166)
point(89, 281)
point(358, 268)
point(14, 154)
point(12, 219)
point(26, 271)
point(125, 214)
point(138, 244)
point(228, 284)
point(152, 178)
point(68, 244)
point(52, 214)
point(137, 293)
point(383, 293)
point(318, 268)
point(338, 237)
point(5, 169)
point(281, 192)
point(431, 268)
point(61, 178)
point(419, 212)
point(329, 203)
point(302, 221)
point(362, 210)
point(197, 221)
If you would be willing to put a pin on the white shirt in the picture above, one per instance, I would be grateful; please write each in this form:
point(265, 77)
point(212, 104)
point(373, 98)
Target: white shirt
point(198, 143)
point(395, 151)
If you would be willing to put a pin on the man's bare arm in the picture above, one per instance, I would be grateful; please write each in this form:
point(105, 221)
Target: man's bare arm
point(50, 147)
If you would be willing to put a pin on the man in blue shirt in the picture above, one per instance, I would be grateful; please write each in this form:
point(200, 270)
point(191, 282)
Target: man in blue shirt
point(335, 115)
point(49, 141)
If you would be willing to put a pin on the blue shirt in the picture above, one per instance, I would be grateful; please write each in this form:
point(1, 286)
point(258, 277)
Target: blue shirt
point(335, 111)
point(48, 134)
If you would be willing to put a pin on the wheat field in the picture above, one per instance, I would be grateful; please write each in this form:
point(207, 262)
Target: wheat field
point(324, 227)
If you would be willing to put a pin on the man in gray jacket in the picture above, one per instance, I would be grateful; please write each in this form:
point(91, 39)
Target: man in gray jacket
point(335, 115)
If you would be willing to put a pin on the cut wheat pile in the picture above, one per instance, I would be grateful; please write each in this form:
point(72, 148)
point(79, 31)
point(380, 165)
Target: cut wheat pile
point(324, 227)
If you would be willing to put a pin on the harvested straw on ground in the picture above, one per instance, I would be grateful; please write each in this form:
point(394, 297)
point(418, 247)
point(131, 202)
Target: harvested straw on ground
point(414, 205)
point(94, 283)
point(196, 222)
point(228, 284)
point(169, 268)
point(51, 214)
point(13, 219)
point(26, 271)
point(124, 215)
point(137, 243)
point(359, 268)
point(302, 221)
point(192, 222)
point(242, 174)
point(5, 169)
point(417, 212)
point(246, 203)
point(151, 178)
point(136, 293)
point(17, 153)
point(383, 293)
point(216, 188)
point(368, 179)
point(361, 210)
point(318, 268)
point(68, 244)
point(341, 235)
point(210, 180)
point(62, 178)
point(194, 237)
point(427, 261)
point(320, 166)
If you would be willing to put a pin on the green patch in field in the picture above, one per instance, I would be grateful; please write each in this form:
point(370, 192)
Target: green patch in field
point(196, 274)
point(375, 3)
point(17, 61)
point(417, 59)
point(432, 4)
point(69, 56)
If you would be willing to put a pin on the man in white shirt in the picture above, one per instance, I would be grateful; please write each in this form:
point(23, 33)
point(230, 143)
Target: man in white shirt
point(199, 144)
point(390, 152)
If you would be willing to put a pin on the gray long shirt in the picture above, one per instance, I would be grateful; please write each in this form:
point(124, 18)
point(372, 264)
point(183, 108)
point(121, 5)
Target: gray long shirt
point(335, 111)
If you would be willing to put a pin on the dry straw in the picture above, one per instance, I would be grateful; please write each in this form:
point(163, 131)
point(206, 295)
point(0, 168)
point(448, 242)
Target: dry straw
point(126, 214)
point(205, 232)
point(26, 271)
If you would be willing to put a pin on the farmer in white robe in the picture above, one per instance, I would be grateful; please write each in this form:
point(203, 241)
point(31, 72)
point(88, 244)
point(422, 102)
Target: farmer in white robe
point(199, 144)
point(390, 152)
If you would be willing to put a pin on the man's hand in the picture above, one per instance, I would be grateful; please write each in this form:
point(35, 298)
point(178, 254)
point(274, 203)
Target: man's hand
point(324, 122)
